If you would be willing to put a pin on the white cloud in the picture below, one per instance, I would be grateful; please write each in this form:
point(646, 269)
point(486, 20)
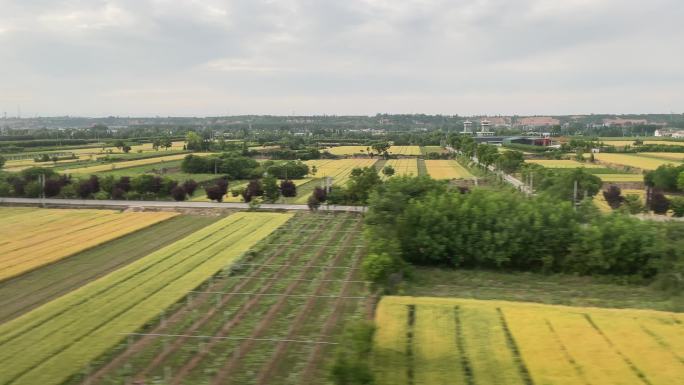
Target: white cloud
point(327, 56)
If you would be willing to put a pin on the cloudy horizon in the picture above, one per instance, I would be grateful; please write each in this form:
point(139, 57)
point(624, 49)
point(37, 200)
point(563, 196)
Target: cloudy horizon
point(353, 57)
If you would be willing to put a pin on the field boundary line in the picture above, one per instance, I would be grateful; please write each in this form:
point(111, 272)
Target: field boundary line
point(208, 337)
point(410, 321)
point(279, 294)
point(626, 359)
point(513, 346)
point(313, 266)
point(460, 345)
point(566, 353)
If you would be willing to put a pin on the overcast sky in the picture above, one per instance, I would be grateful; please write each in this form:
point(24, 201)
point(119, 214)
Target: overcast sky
point(211, 57)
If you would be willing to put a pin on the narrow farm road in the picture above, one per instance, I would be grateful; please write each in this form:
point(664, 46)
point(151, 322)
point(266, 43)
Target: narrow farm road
point(169, 204)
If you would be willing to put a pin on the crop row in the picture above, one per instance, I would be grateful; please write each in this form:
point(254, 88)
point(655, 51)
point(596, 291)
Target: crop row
point(61, 233)
point(403, 167)
point(231, 331)
point(446, 340)
point(446, 169)
point(53, 342)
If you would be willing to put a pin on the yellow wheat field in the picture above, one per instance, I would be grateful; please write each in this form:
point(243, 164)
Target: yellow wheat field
point(363, 150)
point(448, 341)
point(621, 177)
point(633, 160)
point(36, 237)
point(561, 163)
point(338, 169)
point(678, 156)
point(622, 143)
point(446, 169)
point(404, 166)
point(128, 164)
point(405, 150)
point(349, 150)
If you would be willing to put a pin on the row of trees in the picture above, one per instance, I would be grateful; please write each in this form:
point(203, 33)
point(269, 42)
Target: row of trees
point(508, 161)
point(235, 166)
point(44, 182)
point(419, 221)
point(267, 188)
point(656, 201)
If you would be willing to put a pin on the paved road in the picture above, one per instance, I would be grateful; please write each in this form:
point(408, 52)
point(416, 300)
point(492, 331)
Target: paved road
point(169, 204)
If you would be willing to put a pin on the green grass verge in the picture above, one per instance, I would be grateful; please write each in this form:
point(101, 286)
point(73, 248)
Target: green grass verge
point(25, 292)
point(549, 289)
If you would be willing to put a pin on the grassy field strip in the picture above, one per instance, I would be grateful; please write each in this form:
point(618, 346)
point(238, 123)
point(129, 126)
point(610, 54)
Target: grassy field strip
point(653, 358)
point(435, 325)
point(60, 229)
point(35, 220)
point(621, 177)
point(678, 156)
point(561, 163)
point(596, 359)
point(19, 165)
point(23, 293)
point(25, 257)
point(432, 149)
point(389, 354)
point(524, 343)
point(446, 169)
point(405, 150)
point(633, 160)
point(68, 236)
point(403, 167)
point(356, 150)
point(491, 358)
point(64, 240)
point(60, 337)
point(127, 164)
point(619, 143)
point(548, 358)
point(349, 150)
point(338, 169)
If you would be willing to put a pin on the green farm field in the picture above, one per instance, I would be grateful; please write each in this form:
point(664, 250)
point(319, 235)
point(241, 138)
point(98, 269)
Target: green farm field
point(56, 341)
point(25, 292)
point(269, 319)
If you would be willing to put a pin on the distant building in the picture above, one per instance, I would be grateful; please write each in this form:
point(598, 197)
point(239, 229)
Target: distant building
point(620, 122)
point(545, 141)
point(499, 121)
point(533, 122)
point(671, 133)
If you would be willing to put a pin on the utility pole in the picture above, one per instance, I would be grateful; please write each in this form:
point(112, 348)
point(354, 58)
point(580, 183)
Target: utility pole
point(574, 195)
